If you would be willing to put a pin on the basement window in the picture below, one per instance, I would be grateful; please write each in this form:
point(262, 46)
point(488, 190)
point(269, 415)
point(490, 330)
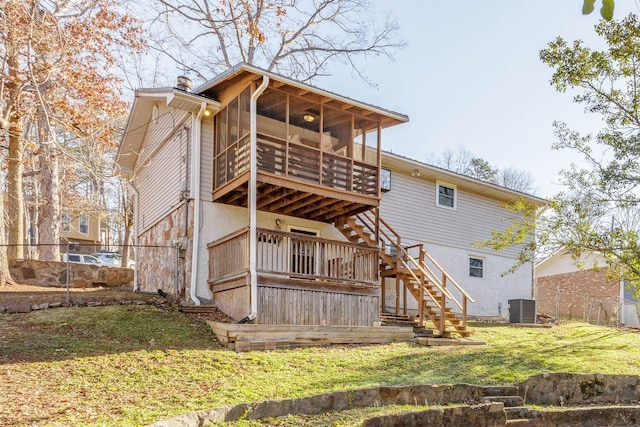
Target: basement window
point(476, 267)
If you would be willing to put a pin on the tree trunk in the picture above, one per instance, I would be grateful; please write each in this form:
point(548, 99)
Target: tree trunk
point(5, 276)
point(50, 208)
point(14, 201)
point(127, 206)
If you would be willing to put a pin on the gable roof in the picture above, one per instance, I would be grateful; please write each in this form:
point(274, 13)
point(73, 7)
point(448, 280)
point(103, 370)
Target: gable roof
point(477, 186)
point(243, 70)
point(140, 117)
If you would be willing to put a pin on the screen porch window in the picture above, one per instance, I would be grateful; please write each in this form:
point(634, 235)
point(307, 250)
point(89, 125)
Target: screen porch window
point(385, 180)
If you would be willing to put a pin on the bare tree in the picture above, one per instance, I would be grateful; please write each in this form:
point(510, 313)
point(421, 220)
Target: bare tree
point(299, 39)
point(56, 61)
point(516, 179)
point(463, 161)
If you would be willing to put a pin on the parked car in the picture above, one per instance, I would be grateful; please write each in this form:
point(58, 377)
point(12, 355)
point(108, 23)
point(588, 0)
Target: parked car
point(81, 259)
point(113, 259)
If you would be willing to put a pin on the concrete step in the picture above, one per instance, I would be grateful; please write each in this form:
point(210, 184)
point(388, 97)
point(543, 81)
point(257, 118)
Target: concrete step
point(501, 390)
point(508, 401)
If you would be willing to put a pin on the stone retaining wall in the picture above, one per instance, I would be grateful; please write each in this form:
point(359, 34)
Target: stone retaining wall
point(544, 389)
point(337, 401)
point(587, 417)
point(563, 389)
point(486, 415)
point(54, 274)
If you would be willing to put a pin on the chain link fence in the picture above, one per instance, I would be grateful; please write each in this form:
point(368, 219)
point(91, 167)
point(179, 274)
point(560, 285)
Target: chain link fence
point(155, 266)
point(595, 309)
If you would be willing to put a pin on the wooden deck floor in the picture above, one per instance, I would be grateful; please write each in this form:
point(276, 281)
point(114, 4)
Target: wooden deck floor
point(245, 337)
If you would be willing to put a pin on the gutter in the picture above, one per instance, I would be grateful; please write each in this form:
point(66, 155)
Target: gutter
point(195, 192)
point(252, 205)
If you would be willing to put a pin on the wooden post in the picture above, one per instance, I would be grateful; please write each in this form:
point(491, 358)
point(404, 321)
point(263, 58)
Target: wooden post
point(404, 297)
point(421, 304)
point(286, 144)
point(379, 160)
point(422, 285)
point(397, 294)
point(320, 177)
point(464, 312)
point(383, 295)
point(443, 305)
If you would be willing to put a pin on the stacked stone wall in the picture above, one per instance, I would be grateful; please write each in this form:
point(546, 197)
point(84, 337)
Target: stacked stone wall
point(567, 389)
point(567, 392)
point(164, 254)
point(54, 273)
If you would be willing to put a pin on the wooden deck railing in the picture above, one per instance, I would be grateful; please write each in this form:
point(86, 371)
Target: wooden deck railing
point(293, 255)
point(298, 162)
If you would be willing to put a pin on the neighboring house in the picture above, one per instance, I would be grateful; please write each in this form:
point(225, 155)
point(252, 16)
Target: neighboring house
point(580, 289)
point(262, 195)
point(85, 232)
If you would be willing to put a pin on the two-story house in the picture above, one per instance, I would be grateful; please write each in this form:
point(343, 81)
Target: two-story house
point(262, 195)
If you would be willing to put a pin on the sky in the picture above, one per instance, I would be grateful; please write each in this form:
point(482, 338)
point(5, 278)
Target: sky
point(471, 76)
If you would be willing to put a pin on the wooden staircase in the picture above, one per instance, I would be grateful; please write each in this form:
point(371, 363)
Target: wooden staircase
point(414, 268)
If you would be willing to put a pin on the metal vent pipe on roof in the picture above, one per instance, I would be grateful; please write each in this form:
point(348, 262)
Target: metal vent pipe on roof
point(184, 83)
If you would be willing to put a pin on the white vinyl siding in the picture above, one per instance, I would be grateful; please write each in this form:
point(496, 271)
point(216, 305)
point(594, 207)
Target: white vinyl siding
point(168, 121)
point(410, 209)
point(160, 181)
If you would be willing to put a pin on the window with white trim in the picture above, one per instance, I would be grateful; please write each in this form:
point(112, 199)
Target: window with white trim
point(84, 224)
point(446, 195)
point(476, 267)
point(66, 221)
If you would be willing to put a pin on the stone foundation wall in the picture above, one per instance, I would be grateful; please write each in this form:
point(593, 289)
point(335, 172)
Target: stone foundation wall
point(54, 273)
point(164, 254)
point(576, 290)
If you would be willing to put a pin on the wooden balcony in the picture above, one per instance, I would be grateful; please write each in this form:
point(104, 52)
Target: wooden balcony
point(297, 179)
point(283, 255)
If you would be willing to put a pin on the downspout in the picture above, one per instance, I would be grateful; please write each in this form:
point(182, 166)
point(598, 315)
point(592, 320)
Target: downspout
point(252, 205)
point(195, 195)
point(136, 287)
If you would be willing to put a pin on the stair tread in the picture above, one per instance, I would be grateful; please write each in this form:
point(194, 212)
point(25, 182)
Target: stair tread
point(508, 401)
point(359, 228)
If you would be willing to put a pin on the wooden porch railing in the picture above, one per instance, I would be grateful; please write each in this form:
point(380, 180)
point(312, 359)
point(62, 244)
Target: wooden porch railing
point(298, 162)
point(293, 255)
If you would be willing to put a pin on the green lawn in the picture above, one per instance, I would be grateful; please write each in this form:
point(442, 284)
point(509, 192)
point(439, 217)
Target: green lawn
point(132, 365)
